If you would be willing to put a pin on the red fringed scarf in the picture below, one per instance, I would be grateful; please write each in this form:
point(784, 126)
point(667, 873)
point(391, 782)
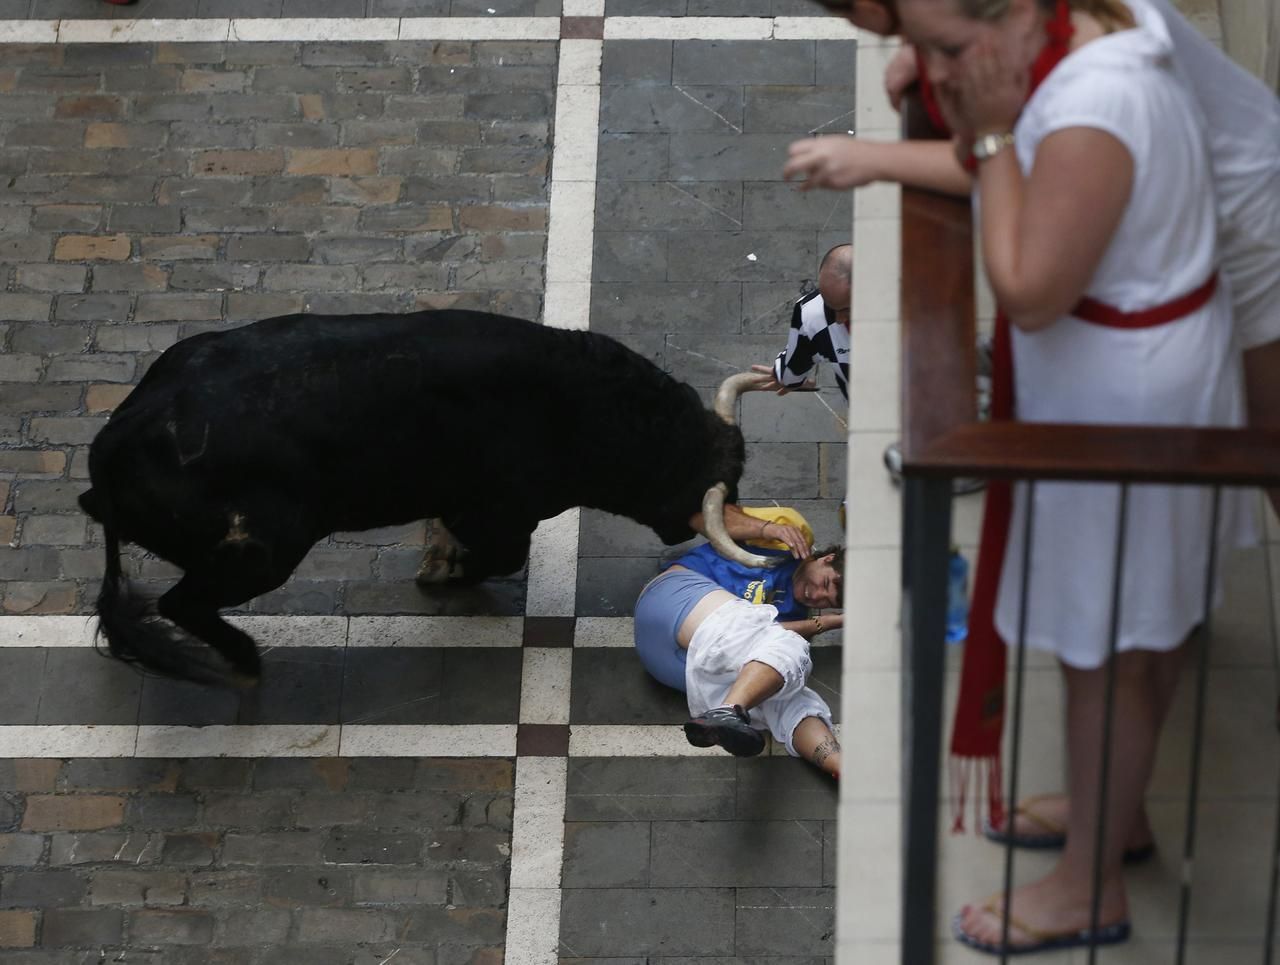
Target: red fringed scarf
point(979, 720)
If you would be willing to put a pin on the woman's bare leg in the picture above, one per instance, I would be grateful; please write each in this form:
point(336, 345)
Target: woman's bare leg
point(1062, 901)
point(1056, 807)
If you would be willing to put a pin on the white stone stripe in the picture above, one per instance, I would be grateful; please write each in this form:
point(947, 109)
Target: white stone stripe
point(821, 28)
point(239, 740)
point(619, 632)
point(291, 631)
point(533, 926)
point(567, 304)
point(47, 631)
point(544, 685)
point(328, 740)
point(583, 8)
point(288, 28)
point(28, 31)
point(259, 740)
point(551, 589)
point(537, 827)
point(428, 740)
point(578, 123)
point(480, 28)
point(296, 631)
point(688, 28)
point(477, 631)
point(537, 838)
point(344, 29)
point(68, 740)
point(142, 31)
point(626, 740)
point(570, 234)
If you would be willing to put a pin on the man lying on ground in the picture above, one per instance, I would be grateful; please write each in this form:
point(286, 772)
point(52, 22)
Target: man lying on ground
point(735, 639)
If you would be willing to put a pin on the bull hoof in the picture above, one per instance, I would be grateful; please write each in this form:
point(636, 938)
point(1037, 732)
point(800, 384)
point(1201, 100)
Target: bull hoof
point(245, 681)
point(433, 571)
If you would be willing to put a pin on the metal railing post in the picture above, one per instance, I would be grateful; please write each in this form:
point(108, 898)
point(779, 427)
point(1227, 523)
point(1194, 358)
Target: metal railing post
point(926, 542)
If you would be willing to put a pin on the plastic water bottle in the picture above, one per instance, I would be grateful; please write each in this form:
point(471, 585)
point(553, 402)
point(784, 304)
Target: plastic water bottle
point(957, 597)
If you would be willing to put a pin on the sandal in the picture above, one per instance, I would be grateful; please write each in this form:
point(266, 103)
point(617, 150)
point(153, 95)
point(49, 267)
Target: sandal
point(1041, 941)
point(1052, 835)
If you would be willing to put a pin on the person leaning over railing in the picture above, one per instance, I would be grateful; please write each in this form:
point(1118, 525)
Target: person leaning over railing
point(735, 638)
point(1099, 236)
point(1242, 119)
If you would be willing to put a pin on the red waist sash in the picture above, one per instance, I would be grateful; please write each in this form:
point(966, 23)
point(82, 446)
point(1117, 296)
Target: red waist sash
point(1100, 313)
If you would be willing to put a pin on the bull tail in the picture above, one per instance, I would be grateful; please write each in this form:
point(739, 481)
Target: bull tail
point(133, 632)
point(129, 637)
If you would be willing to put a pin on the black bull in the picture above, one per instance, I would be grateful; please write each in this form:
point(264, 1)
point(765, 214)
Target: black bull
point(239, 450)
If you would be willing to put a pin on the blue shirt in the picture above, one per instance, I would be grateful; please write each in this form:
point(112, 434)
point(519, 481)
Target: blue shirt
point(770, 585)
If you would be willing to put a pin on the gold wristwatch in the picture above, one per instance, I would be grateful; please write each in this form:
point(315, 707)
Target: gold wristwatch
point(989, 145)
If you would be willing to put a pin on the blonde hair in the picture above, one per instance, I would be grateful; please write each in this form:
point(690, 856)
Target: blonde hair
point(1112, 15)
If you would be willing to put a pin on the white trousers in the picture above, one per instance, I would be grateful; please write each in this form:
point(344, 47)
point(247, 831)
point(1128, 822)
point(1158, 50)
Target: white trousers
point(734, 635)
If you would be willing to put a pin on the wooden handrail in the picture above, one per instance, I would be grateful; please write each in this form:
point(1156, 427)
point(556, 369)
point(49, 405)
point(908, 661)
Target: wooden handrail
point(1149, 454)
point(940, 434)
point(937, 336)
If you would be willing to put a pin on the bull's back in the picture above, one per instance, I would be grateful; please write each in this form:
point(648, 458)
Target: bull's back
point(399, 415)
point(302, 372)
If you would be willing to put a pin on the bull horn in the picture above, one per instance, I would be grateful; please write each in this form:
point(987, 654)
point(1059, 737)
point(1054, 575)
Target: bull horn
point(731, 388)
point(718, 536)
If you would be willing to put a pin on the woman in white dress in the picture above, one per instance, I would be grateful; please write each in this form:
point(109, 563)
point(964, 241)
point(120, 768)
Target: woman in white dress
point(1095, 202)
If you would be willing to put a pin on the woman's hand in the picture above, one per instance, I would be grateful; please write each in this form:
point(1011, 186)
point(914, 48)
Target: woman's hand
point(769, 384)
point(835, 161)
point(900, 74)
point(987, 94)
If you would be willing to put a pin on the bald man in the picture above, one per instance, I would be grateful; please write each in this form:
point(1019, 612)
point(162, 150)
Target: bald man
point(819, 329)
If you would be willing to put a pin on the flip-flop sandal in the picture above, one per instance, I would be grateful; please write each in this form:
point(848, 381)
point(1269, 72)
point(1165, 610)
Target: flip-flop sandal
point(1053, 837)
point(1041, 941)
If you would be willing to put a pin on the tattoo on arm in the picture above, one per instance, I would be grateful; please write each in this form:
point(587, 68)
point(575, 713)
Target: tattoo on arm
point(825, 750)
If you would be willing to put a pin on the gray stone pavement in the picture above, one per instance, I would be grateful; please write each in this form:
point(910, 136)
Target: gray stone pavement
point(156, 191)
point(268, 862)
point(694, 859)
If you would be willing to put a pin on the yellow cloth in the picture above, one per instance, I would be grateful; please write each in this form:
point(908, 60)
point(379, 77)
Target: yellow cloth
point(783, 516)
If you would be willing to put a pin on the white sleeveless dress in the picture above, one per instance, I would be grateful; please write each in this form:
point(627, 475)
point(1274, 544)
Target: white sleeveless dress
point(1185, 372)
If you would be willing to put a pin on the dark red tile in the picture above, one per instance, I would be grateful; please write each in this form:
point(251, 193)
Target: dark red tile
point(549, 631)
point(582, 28)
point(542, 740)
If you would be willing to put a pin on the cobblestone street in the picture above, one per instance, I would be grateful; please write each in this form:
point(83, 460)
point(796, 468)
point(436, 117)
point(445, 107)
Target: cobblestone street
point(445, 777)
